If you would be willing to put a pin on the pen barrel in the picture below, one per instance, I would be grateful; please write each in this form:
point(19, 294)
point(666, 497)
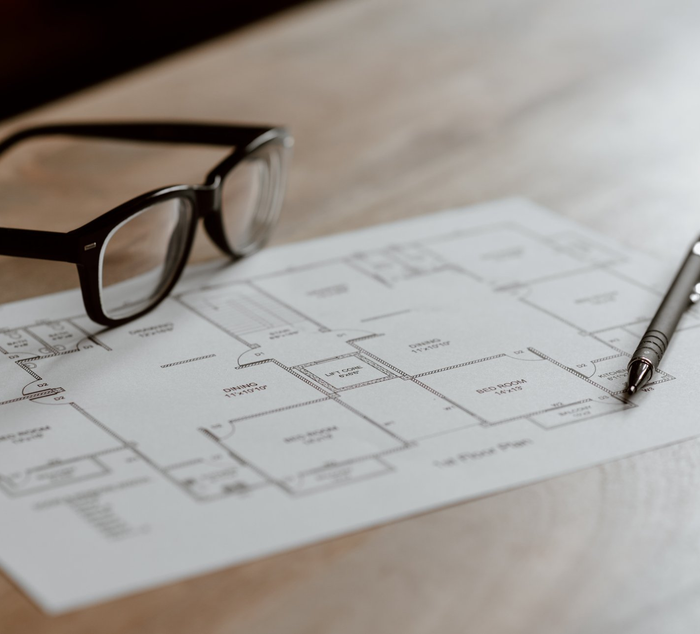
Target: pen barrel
point(677, 300)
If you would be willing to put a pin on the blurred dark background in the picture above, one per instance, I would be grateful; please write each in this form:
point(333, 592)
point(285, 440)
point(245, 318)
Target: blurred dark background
point(49, 49)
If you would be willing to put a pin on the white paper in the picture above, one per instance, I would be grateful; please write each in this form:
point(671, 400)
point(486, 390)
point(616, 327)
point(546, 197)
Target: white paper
point(321, 388)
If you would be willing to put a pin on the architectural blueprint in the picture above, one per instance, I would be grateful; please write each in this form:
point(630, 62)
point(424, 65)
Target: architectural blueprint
point(320, 388)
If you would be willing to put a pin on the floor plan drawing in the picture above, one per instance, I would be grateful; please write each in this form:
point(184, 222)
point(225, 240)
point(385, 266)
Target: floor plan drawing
point(321, 388)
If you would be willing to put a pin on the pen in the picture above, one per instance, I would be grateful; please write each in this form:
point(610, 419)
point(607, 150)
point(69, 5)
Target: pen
point(682, 294)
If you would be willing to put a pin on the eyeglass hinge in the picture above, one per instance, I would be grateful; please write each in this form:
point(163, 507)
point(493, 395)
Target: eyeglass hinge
point(90, 246)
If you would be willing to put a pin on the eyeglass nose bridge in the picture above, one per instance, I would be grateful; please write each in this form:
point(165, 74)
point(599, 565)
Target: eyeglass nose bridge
point(207, 198)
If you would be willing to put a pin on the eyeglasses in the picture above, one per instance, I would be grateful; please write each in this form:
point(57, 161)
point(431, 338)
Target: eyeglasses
point(130, 258)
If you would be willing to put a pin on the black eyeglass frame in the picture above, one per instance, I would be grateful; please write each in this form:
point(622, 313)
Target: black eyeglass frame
point(83, 246)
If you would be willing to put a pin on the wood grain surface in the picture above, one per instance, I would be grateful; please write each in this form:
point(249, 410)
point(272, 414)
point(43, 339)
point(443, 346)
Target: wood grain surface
point(399, 108)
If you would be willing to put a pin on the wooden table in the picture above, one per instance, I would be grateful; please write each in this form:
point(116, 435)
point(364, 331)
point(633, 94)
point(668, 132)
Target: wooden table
point(402, 107)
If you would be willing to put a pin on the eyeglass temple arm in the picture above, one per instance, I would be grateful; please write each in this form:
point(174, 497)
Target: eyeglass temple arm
point(40, 245)
point(196, 133)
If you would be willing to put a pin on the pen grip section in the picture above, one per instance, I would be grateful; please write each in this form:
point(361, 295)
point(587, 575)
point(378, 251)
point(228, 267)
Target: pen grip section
point(652, 347)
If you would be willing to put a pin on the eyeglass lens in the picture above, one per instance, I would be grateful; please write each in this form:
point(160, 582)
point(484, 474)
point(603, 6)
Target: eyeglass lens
point(251, 198)
point(141, 255)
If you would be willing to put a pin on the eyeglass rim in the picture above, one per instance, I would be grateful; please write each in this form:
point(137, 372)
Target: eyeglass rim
point(205, 200)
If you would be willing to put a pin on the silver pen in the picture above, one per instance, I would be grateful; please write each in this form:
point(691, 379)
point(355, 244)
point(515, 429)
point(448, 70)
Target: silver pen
point(684, 292)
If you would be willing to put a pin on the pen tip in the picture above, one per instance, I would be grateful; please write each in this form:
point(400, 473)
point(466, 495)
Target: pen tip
point(640, 371)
